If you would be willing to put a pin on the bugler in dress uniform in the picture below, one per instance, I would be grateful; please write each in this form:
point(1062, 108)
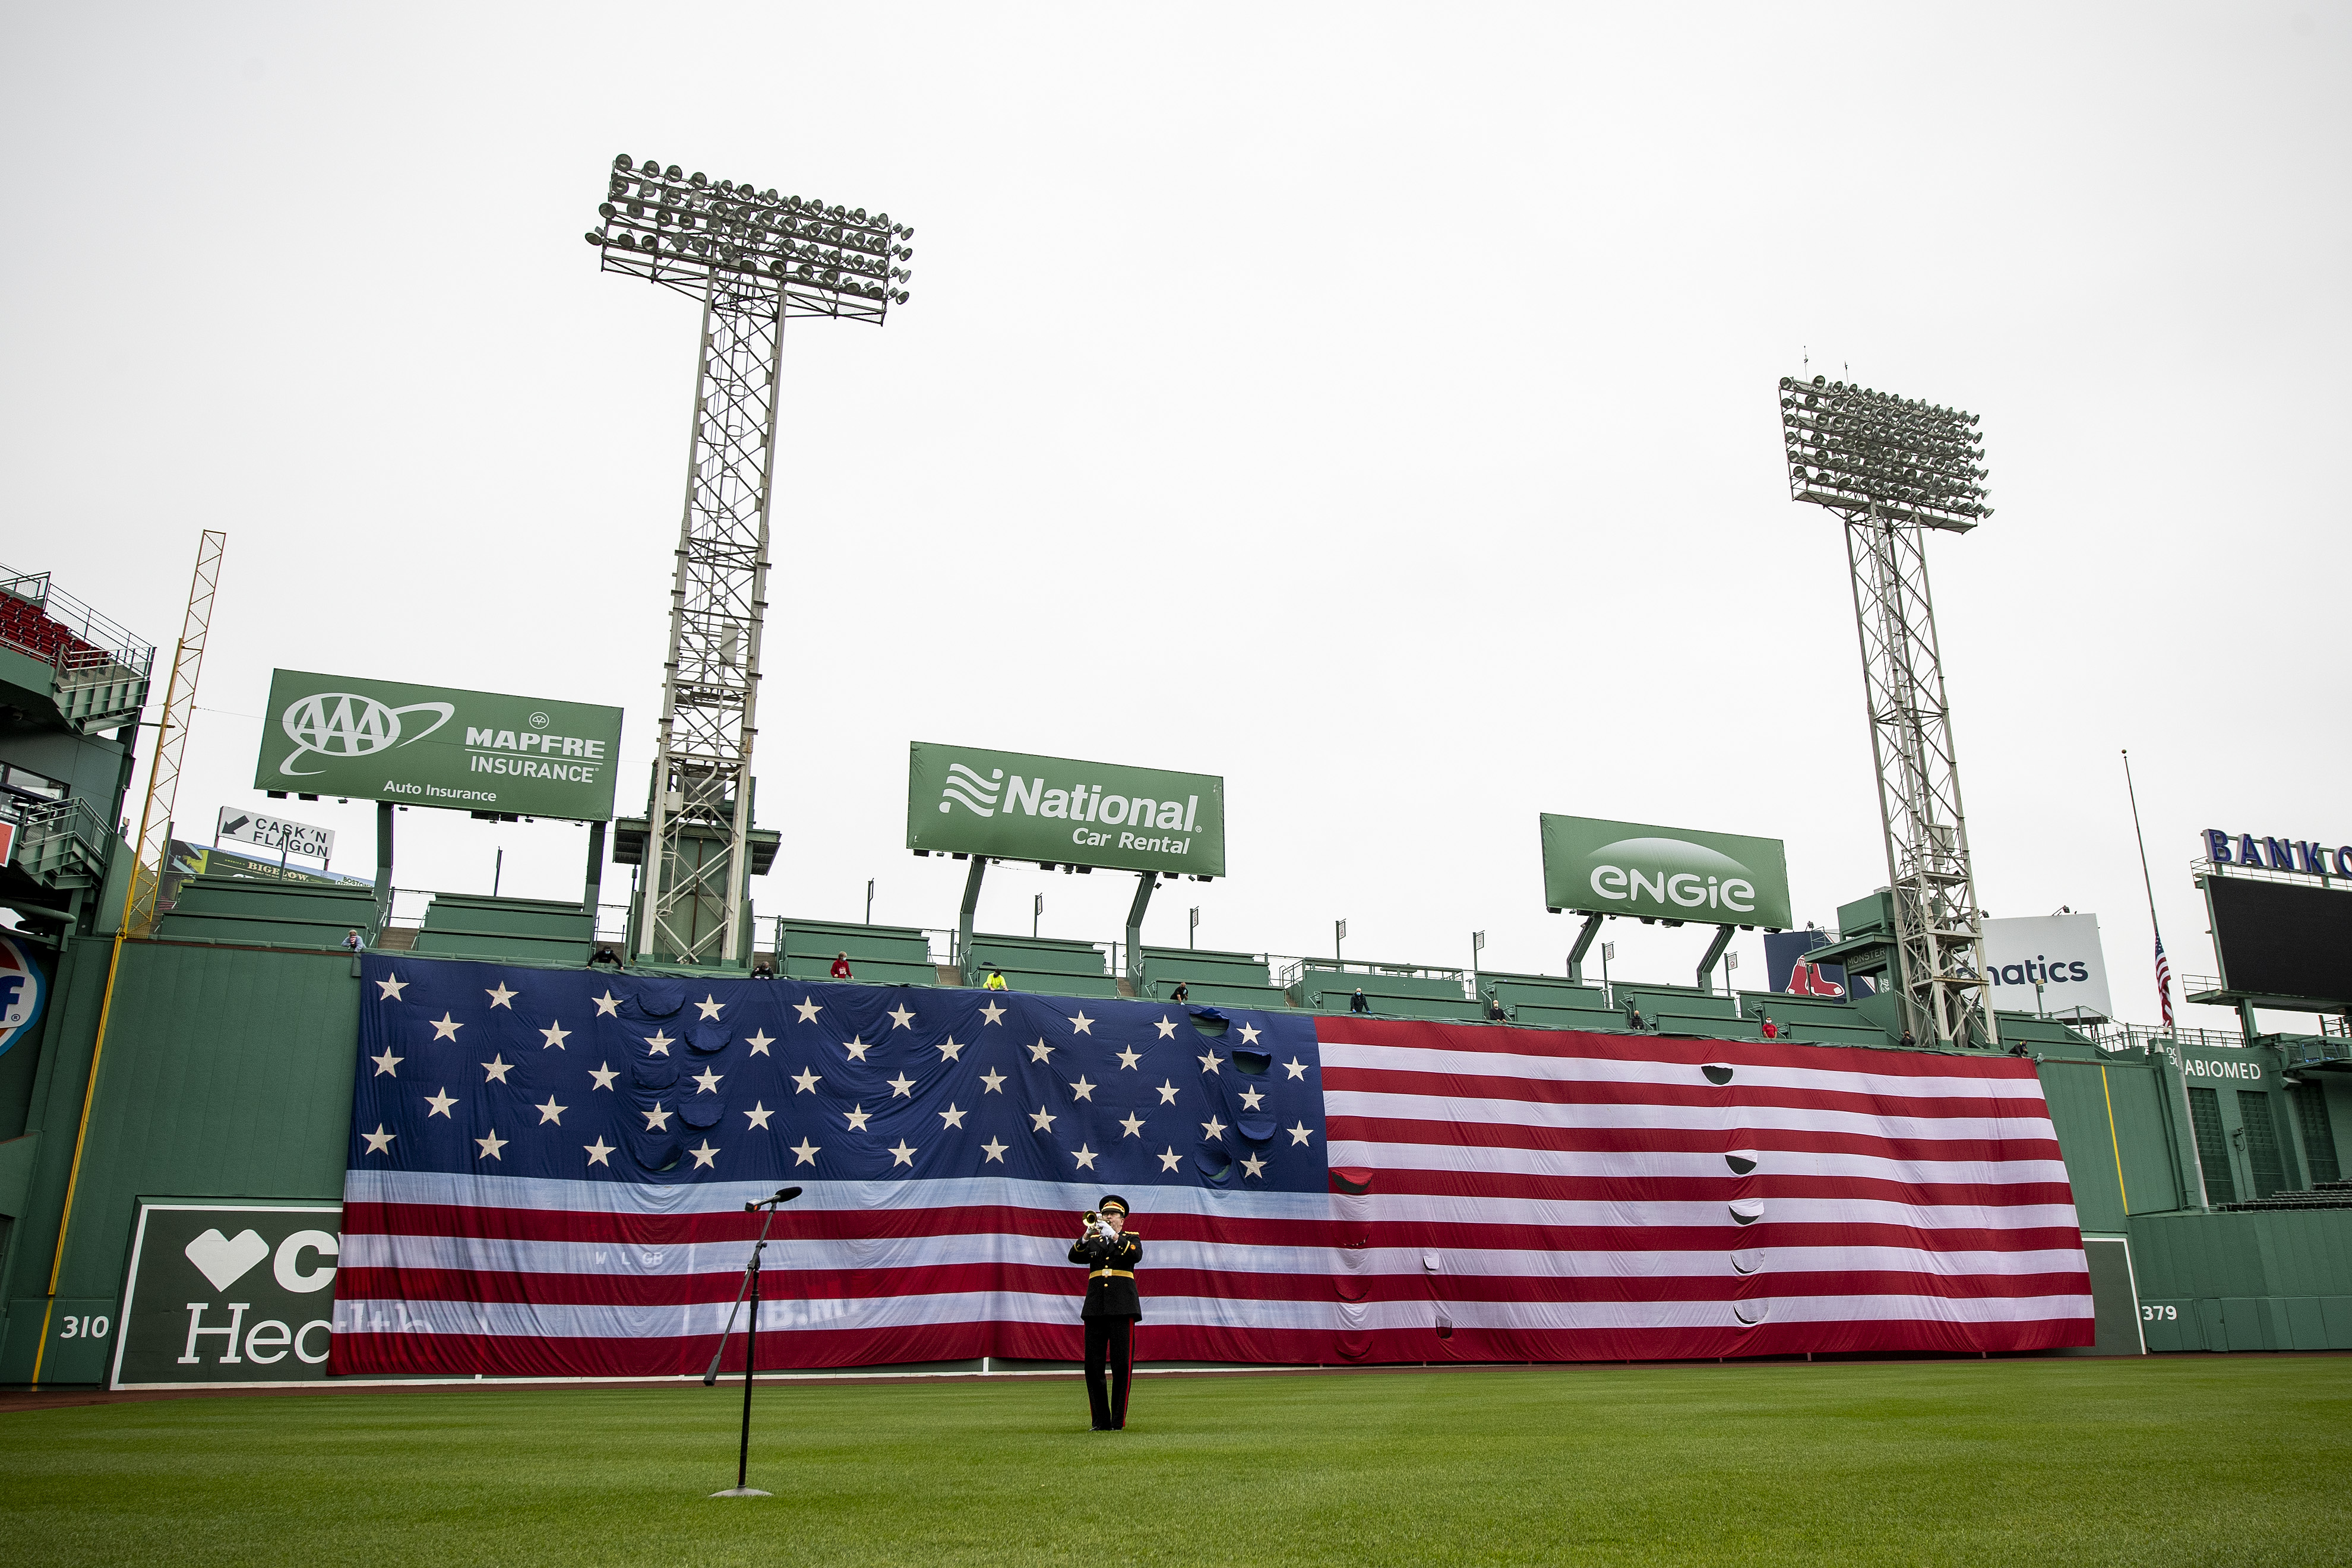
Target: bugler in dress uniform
point(1112, 1309)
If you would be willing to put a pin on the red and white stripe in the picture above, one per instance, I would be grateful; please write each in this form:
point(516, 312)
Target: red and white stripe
point(1514, 1194)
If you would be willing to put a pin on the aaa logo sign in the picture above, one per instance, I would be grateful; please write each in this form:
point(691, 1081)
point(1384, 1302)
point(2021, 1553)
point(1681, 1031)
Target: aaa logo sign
point(228, 1292)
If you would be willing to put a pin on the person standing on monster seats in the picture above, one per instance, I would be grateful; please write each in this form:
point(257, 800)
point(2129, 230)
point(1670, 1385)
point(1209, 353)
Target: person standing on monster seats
point(1112, 1309)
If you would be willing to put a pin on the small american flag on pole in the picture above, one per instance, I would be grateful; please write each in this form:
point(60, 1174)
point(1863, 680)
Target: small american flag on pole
point(2163, 980)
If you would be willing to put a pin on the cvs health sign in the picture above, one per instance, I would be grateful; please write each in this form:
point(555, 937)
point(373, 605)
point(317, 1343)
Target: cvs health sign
point(226, 1291)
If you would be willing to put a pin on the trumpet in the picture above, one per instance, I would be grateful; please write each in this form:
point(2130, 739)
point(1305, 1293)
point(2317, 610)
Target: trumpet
point(1098, 1226)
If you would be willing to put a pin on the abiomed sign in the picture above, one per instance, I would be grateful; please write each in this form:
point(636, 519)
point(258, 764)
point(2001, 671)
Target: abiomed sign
point(224, 1291)
point(1056, 811)
point(434, 745)
point(1594, 867)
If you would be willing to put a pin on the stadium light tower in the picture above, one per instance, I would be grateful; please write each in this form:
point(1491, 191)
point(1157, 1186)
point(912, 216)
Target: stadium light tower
point(753, 258)
point(1892, 469)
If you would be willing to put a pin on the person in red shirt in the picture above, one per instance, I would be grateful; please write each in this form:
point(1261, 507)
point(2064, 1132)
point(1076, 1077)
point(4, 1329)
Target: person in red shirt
point(1772, 1029)
point(841, 966)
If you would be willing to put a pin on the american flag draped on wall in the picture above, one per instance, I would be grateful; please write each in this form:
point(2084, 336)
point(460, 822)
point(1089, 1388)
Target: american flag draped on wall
point(548, 1170)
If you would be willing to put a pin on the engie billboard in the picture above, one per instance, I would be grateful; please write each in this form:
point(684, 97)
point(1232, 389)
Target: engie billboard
point(962, 800)
point(434, 745)
point(1596, 867)
point(2061, 955)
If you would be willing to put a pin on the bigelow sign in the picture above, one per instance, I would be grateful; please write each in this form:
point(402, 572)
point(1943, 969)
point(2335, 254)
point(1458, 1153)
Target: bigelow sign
point(1596, 867)
point(2048, 964)
point(436, 745)
point(962, 800)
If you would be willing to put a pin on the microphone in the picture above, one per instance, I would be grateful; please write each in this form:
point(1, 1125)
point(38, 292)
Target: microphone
point(783, 1195)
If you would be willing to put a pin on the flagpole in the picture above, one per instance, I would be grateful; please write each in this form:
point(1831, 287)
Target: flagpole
point(2145, 881)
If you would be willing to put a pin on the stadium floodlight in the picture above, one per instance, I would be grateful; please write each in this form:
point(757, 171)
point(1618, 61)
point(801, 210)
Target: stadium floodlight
point(753, 258)
point(1891, 468)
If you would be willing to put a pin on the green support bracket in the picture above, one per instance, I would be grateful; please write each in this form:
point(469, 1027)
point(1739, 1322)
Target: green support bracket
point(963, 919)
point(1584, 945)
point(1714, 952)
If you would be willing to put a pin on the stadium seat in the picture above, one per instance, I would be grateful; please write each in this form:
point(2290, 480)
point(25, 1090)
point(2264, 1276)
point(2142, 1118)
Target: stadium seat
point(247, 912)
point(506, 930)
point(1686, 1010)
point(1044, 964)
point(1211, 979)
point(1549, 1002)
point(1394, 990)
point(878, 955)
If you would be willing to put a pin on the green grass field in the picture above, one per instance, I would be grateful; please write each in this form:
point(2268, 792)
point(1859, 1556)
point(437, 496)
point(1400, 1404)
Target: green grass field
point(2173, 1461)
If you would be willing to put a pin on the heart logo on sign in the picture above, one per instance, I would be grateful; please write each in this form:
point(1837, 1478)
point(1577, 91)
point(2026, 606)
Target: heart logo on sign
point(224, 1261)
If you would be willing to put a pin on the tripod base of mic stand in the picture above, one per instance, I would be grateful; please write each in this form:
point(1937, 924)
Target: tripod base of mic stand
point(742, 1491)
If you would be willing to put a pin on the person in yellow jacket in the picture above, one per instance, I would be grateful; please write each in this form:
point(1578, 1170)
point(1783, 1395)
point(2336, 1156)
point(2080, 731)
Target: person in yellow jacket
point(995, 980)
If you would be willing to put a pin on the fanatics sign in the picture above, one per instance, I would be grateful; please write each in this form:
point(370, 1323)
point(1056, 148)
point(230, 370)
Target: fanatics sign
point(431, 745)
point(964, 801)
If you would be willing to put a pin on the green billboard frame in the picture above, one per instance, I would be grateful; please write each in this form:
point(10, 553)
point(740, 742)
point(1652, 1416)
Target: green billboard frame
point(1059, 811)
point(438, 745)
point(1595, 866)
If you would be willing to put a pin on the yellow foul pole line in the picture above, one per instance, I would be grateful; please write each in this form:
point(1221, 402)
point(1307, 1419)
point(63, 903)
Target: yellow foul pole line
point(2112, 1143)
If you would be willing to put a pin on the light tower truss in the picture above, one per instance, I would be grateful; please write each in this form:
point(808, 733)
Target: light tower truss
point(1891, 470)
point(753, 258)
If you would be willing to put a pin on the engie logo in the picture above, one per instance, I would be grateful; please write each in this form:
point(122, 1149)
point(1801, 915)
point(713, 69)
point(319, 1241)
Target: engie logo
point(968, 789)
point(1671, 872)
point(343, 724)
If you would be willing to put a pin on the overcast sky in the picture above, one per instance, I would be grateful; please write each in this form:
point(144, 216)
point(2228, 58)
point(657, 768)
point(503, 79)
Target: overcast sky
point(1373, 405)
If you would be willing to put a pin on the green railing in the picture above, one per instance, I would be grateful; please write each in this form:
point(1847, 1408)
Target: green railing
point(63, 837)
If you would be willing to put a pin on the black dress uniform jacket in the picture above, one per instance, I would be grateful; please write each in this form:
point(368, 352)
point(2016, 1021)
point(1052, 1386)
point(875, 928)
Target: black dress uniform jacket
point(1111, 1282)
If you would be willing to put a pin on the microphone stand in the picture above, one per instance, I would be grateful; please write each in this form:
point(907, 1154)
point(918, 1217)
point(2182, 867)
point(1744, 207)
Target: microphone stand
point(751, 1343)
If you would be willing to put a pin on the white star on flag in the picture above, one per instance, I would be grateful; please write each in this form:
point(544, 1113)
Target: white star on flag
point(495, 1071)
point(608, 1005)
point(1294, 1068)
point(706, 1082)
point(757, 1116)
point(1168, 1161)
point(551, 1111)
point(502, 997)
point(858, 1117)
point(805, 1152)
point(603, 1074)
point(1251, 1098)
point(598, 1150)
point(1300, 1133)
point(492, 1144)
point(995, 1150)
point(1127, 1059)
point(709, 1007)
point(950, 1050)
point(857, 1048)
point(386, 1062)
point(1082, 1025)
point(1085, 1157)
point(808, 1008)
point(1210, 1062)
point(1249, 1034)
point(1213, 1128)
point(991, 1011)
point(660, 1042)
point(1133, 1123)
point(807, 1081)
point(1167, 1092)
point(704, 1156)
point(1167, 1030)
point(901, 1086)
point(952, 1117)
point(1041, 1120)
point(902, 1154)
point(1253, 1165)
point(555, 1034)
point(993, 1082)
point(440, 1100)
point(656, 1120)
point(390, 987)
point(760, 1042)
point(1041, 1050)
point(1082, 1090)
point(446, 1028)
point(901, 1016)
point(379, 1142)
